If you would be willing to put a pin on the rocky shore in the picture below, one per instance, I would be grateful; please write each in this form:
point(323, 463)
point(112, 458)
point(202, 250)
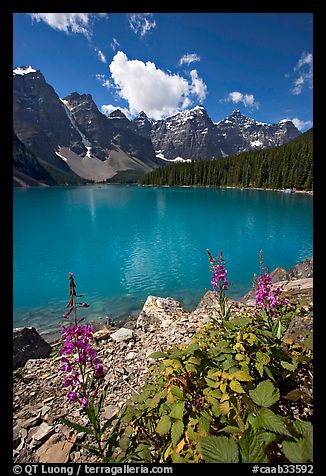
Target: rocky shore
point(39, 397)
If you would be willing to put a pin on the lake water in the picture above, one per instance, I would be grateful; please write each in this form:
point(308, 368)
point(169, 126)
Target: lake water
point(124, 243)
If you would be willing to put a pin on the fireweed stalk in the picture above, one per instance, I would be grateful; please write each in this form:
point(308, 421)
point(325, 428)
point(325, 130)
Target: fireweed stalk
point(220, 284)
point(83, 369)
point(270, 303)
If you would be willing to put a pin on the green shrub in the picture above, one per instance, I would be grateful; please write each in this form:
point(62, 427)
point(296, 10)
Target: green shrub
point(235, 394)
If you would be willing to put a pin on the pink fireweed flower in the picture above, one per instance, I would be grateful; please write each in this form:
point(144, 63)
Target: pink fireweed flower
point(268, 298)
point(219, 280)
point(72, 396)
point(78, 352)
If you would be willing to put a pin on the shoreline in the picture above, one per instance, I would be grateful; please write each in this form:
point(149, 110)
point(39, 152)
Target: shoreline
point(307, 192)
point(305, 266)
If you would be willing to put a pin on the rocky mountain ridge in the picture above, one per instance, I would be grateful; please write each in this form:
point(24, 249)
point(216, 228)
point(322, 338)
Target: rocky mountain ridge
point(72, 135)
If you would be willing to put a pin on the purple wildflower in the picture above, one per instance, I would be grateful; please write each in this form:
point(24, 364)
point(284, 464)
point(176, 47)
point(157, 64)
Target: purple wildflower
point(72, 396)
point(268, 298)
point(219, 280)
point(78, 347)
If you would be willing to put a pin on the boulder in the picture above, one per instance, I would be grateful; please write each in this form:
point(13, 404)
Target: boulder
point(122, 335)
point(28, 344)
point(54, 450)
point(208, 308)
point(279, 274)
point(158, 312)
point(302, 270)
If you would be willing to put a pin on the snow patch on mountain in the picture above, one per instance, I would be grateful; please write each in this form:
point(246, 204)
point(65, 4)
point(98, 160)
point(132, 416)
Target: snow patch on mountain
point(24, 70)
point(84, 139)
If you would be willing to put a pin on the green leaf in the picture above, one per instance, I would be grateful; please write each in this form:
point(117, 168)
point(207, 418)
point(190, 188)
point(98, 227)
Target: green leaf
point(262, 357)
point(219, 449)
point(75, 426)
point(89, 448)
point(241, 375)
point(236, 386)
point(216, 409)
point(124, 442)
point(298, 451)
point(110, 421)
point(269, 373)
point(265, 394)
point(164, 425)
point(191, 348)
point(191, 368)
point(157, 355)
point(177, 392)
point(251, 449)
point(289, 366)
point(237, 322)
point(302, 427)
point(228, 364)
point(177, 410)
point(266, 438)
point(270, 421)
point(294, 395)
point(230, 429)
point(308, 342)
point(176, 432)
point(156, 399)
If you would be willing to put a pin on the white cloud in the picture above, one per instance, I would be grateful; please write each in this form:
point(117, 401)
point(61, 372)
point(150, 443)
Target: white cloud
point(301, 125)
point(68, 22)
point(141, 23)
point(149, 89)
point(188, 58)
point(306, 58)
point(114, 44)
point(101, 55)
point(106, 83)
point(304, 70)
point(198, 87)
point(248, 100)
point(108, 108)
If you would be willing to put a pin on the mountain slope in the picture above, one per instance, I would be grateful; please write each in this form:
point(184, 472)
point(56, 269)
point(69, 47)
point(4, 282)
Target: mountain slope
point(72, 135)
point(286, 166)
point(40, 120)
point(28, 170)
point(192, 135)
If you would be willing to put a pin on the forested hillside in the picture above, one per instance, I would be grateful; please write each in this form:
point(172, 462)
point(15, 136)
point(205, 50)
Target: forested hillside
point(287, 166)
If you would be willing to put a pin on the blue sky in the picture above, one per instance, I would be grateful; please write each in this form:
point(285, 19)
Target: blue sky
point(163, 63)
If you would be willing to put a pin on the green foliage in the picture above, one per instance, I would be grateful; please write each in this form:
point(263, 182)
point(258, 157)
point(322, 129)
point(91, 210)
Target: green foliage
point(286, 166)
point(219, 449)
point(265, 394)
point(226, 397)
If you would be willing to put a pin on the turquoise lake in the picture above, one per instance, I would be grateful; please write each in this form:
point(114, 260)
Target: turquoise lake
point(124, 243)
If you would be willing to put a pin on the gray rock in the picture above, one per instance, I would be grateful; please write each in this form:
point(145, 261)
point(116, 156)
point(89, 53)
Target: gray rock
point(43, 431)
point(302, 270)
point(33, 421)
point(279, 274)
point(54, 450)
point(28, 344)
point(122, 335)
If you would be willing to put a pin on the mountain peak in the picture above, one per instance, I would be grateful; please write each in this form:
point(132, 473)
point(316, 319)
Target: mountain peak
point(76, 96)
point(117, 114)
